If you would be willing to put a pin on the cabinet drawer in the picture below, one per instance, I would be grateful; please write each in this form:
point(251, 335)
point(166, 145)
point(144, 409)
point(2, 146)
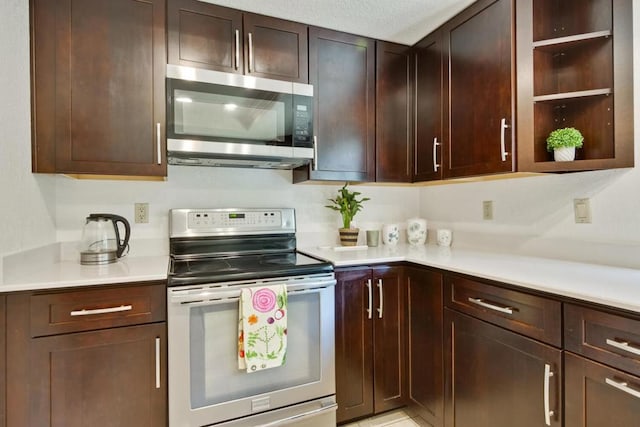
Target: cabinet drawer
point(530, 315)
point(608, 338)
point(97, 308)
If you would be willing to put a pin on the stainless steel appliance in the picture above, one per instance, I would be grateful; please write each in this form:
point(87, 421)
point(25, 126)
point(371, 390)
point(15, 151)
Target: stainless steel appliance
point(214, 254)
point(224, 119)
point(101, 243)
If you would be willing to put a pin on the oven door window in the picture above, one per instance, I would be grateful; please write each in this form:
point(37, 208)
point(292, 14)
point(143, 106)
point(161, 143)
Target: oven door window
point(228, 114)
point(215, 377)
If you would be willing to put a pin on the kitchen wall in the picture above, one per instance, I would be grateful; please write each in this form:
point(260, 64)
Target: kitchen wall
point(535, 215)
point(27, 207)
point(532, 215)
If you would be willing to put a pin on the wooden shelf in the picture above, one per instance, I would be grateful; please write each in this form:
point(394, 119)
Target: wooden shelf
point(562, 43)
point(573, 95)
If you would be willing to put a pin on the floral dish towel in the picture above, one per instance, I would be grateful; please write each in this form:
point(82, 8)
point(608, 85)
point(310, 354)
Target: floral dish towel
point(262, 327)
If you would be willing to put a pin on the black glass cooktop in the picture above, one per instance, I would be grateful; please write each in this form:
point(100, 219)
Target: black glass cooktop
point(245, 267)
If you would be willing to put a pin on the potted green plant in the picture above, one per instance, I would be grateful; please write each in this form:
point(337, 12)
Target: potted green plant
point(348, 204)
point(563, 143)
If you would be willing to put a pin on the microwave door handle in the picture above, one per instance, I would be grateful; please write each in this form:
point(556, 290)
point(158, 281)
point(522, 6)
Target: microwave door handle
point(315, 153)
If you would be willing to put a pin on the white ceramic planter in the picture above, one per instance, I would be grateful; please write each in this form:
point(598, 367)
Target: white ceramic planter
point(416, 231)
point(564, 154)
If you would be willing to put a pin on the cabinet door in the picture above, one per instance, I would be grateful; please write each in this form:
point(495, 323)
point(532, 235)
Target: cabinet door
point(389, 338)
point(479, 44)
point(275, 48)
point(429, 109)
point(394, 112)
point(98, 86)
point(497, 378)
point(424, 330)
point(113, 377)
point(342, 72)
point(354, 349)
point(204, 35)
point(599, 396)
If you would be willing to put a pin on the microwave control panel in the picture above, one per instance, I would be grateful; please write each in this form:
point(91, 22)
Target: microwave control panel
point(302, 122)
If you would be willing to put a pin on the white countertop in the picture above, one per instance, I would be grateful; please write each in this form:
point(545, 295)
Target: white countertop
point(612, 286)
point(62, 274)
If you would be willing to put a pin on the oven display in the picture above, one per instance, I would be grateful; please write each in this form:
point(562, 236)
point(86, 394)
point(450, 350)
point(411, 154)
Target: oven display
point(236, 216)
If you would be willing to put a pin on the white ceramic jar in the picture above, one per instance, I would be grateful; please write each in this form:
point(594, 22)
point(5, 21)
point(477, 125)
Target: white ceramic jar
point(390, 234)
point(416, 231)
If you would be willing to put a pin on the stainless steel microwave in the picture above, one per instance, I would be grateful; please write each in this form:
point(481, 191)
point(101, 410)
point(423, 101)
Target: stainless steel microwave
point(224, 119)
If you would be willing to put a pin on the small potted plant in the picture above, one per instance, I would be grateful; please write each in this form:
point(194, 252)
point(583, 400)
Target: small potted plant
point(347, 203)
point(563, 143)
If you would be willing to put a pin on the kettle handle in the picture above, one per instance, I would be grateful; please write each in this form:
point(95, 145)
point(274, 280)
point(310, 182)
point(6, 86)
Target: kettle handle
point(122, 245)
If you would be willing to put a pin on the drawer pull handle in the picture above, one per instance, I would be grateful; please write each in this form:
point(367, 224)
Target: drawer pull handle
point(481, 303)
point(623, 386)
point(547, 412)
point(623, 345)
point(84, 312)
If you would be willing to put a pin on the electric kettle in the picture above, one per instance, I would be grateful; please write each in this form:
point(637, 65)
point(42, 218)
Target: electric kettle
point(101, 242)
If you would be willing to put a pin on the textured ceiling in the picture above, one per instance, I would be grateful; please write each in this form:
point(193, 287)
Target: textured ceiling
point(400, 21)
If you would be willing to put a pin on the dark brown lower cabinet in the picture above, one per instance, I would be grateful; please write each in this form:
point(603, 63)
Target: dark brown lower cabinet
point(101, 378)
point(497, 378)
point(599, 396)
point(424, 334)
point(370, 369)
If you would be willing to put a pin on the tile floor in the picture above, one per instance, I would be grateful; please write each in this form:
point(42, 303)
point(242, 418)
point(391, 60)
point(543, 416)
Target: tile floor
point(398, 418)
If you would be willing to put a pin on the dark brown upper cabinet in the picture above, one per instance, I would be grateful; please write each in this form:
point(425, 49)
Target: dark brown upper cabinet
point(394, 112)
point(342, 72)
point(218, 38)
point(479, 85)
point(575, 69)
point(98, 85)
point(429, 109)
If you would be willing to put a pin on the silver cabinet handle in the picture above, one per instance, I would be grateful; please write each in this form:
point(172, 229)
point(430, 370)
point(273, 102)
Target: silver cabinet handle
point(623, 386)
point(436, 165)
point(623, 345)
point(369, 309)
point(157, 362)
point(237, 49)
point(481, 303)
point(381, 296)
point(547, 412)
point(503, 150)
point(315, 153)
point(250, 51)
point(159, 143)
point(84, 312)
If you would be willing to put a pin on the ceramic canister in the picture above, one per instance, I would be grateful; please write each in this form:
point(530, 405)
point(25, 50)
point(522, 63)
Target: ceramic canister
point(416, 231)
point(390, 234)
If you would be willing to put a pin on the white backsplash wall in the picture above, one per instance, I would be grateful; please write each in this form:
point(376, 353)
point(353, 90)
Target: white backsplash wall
point(204, 187)
point(535, 215)
point(27, 206)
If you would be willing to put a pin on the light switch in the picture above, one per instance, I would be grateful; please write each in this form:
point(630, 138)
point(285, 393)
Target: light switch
point(582, 211)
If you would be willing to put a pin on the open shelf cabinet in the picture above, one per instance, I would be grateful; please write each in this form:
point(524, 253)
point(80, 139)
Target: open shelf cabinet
point(575, 70)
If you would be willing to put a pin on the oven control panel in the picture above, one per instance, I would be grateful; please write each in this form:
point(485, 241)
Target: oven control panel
point(192, 222)
point(234, 219)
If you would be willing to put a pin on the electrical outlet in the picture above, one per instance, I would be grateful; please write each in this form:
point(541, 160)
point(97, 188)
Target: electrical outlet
point(487, 210)
point(141, 213)
point(582, 211)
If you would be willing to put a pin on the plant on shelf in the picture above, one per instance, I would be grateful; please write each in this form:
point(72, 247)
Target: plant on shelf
point(348, 204)
point(563, 143)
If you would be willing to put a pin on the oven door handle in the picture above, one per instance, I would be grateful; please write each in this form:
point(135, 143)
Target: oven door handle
point(212, 297)
point(298, 417)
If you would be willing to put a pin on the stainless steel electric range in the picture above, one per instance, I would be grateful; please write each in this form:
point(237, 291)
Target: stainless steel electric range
point(214, 254)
